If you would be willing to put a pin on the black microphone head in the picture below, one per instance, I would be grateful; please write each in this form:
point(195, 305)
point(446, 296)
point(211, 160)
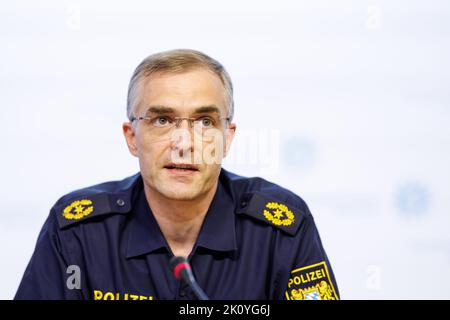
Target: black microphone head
point(181, 269)
point(175, 261)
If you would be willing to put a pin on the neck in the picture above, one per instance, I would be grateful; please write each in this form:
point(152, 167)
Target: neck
point(179, 220)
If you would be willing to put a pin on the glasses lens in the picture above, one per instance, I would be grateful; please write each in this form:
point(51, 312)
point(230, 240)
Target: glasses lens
point(205, 126)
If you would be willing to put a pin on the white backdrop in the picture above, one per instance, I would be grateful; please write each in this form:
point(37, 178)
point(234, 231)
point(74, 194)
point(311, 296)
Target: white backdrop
point(349, 101)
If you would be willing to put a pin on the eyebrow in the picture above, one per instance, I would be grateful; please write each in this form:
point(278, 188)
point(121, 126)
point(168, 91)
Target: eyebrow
point(207, 109)
point(160, 109)
point(167, 110)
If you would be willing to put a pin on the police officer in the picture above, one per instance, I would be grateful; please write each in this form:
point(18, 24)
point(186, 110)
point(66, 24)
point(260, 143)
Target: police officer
point(245, 238)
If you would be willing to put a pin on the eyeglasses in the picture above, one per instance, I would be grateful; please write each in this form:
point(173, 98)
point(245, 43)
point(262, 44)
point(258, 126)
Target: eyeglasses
point(162, 124)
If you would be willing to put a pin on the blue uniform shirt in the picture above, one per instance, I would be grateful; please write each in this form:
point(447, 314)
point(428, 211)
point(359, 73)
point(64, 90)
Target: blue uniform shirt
point(258, 241)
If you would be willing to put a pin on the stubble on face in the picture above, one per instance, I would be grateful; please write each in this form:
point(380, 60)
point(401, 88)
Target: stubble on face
point(183, 92)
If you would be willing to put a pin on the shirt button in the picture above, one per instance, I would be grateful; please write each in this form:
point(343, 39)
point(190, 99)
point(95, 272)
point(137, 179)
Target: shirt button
point(243, 204)
point(120, 202)
point(182, 293)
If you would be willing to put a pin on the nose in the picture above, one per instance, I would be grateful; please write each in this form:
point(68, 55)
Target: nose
point(181, 142)
point(179, 122)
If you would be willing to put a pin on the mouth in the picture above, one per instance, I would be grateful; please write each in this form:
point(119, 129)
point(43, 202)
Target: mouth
point(181, 168)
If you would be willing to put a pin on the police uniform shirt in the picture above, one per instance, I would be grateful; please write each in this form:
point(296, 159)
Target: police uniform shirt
point(258, 241)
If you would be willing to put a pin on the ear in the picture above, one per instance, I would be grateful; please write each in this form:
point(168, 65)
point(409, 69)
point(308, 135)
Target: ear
point(130, 137)
point(229, 136)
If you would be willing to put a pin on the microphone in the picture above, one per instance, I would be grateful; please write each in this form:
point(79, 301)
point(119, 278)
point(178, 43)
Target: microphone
point(181, 269)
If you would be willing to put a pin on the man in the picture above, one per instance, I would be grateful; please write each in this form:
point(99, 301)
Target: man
point(244, 238)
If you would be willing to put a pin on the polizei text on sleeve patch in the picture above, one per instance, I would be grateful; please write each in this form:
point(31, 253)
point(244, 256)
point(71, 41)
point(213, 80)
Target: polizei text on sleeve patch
point(311, 283)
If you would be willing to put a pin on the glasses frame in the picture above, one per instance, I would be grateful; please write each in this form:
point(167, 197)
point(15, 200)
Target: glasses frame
point(177, 122)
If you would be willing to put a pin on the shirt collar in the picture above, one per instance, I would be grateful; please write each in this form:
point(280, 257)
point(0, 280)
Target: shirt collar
point(144, 233)
point(217, 232)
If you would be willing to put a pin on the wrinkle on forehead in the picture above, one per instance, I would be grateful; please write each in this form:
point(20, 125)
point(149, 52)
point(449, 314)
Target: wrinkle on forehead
point(158, 109)
point(184, 92)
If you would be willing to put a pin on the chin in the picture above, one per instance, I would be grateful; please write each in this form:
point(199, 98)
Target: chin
point(180, 194)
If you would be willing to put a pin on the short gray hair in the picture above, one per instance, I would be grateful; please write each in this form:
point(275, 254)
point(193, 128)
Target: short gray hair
point(178, 61)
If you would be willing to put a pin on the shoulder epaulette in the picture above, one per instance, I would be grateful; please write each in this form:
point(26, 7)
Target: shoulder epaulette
point(82, 208)
point(271, 211)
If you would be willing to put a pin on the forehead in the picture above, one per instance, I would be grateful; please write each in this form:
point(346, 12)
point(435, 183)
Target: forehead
point(183, 92)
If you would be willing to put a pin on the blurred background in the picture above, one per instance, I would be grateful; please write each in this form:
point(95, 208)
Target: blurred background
point(346, 103)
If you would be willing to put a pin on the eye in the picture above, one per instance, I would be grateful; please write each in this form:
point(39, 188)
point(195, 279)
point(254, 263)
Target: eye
point(161, 121)
point(206, 122)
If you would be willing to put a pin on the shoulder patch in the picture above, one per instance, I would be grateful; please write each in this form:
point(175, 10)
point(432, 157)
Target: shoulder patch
point(271, 211)
point(312, 282)
point(83, 208)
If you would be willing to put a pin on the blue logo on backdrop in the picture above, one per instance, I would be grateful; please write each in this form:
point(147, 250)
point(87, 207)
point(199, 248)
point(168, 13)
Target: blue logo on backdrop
point(412, 199)
point(299, 153)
